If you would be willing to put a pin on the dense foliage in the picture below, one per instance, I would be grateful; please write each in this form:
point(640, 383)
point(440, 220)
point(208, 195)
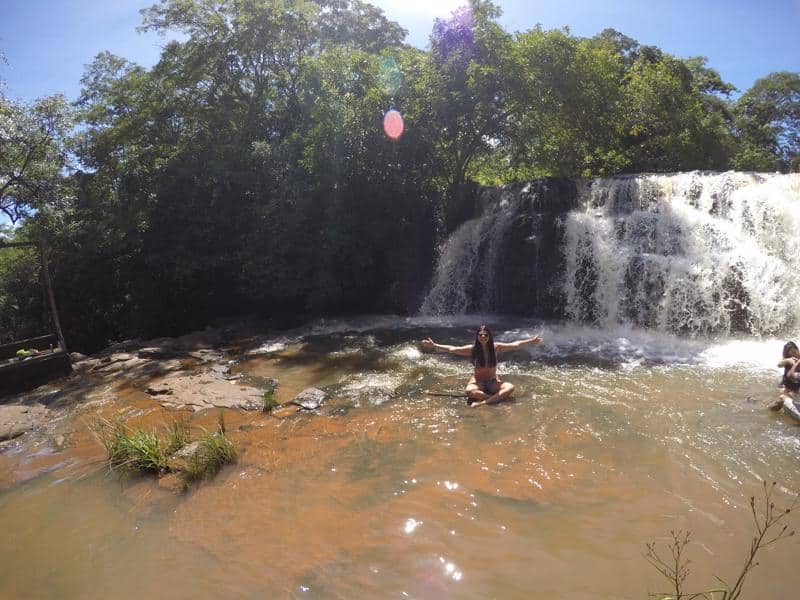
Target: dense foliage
point(247, 171)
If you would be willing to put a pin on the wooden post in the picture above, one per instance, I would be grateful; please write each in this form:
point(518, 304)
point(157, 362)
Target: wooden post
point(50, 296)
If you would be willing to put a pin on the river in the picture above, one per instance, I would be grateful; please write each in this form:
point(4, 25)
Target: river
point(614, 438)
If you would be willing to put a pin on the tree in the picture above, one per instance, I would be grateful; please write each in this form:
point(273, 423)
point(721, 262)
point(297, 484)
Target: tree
point(768, 124)
point(251, 153)
point(600, 106)
point(23, 309)
point(357, 24)
point(674, 119)
point(567, 100)
point(459, 96)
point(33, 155)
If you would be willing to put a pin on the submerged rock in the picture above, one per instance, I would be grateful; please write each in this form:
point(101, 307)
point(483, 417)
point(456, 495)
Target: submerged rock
point(172, 482)
point(16, 419)
point(208, 355)
point(159, 390)
point(310, 398)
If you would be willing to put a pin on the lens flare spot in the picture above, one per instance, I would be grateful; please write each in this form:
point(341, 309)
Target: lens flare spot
point(393, 125)
point(389, 76)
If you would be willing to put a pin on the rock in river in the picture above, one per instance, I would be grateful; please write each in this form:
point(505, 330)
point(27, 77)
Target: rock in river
point(310, 398)
point(16, 419)
point(204, 390)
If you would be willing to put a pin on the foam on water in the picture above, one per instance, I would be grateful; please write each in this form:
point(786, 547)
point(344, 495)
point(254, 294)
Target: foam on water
point(622, 345)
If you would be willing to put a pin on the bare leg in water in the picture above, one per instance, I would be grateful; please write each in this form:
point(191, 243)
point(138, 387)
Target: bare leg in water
point(785, 395)
point(495, 392)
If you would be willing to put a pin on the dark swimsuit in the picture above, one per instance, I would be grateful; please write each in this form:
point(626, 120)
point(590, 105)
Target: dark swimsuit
point(792, 385)
point(487, 386)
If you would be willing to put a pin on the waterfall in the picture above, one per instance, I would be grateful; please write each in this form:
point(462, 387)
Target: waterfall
point(689, 252)
point(466, 273)
point(494, 263)
point(693, 253)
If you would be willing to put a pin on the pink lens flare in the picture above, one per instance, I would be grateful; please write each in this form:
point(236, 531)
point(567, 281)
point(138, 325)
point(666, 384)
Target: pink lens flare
point(393, 124)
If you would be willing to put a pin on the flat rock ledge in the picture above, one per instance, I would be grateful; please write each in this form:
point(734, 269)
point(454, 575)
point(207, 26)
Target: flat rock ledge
point(202, 391)
point(16, 419)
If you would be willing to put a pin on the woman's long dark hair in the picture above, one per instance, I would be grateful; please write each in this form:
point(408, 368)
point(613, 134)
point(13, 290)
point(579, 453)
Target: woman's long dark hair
point(788, 347)
point(477, 351)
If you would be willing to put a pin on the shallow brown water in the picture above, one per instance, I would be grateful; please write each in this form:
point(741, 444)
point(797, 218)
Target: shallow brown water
point(389, 493)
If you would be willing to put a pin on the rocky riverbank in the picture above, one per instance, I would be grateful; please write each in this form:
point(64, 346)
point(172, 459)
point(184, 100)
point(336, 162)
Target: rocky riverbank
point(188, 376)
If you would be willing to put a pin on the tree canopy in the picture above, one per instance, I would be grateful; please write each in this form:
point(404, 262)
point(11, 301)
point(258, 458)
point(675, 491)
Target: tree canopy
point(247, 171)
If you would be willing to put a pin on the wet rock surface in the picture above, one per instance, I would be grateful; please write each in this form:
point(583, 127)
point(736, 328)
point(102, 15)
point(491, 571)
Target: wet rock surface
point(188, 371)
point(310, 399)
point(17, 419)
point(129, 379)
point(206, 390)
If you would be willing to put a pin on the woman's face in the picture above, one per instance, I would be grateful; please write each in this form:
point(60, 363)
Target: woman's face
point(483, 335)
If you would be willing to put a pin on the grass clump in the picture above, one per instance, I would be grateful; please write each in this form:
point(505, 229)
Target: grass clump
point(213, 452)
point(143, 451)
point(177, 436)
point(269, 401)
point(133, 449)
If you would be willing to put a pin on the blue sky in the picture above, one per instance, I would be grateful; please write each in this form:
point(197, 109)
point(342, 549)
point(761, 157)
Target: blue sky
point(48, 42)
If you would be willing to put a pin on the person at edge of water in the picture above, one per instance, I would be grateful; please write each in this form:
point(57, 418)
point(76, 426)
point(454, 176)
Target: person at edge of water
point(484, 387)
point(791, 375)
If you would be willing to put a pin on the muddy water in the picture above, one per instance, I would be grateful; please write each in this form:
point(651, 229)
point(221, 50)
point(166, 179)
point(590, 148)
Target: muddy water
point(612, 440)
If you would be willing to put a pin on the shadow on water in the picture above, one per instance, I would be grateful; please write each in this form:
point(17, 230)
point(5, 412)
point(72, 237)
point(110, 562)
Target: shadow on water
point(522, 508)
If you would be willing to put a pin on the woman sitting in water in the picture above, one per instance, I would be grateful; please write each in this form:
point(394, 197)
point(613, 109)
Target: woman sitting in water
point(791, 375)
point(485, 387)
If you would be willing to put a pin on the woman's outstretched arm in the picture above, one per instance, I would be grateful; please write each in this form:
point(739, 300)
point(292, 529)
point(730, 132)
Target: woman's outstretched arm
point(429, 344)
point(502, 346)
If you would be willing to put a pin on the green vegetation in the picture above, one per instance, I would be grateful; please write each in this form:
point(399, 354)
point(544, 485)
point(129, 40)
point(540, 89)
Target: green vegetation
point(177, 436)
point(136, 450)
point(247, 173)
point(22, 302)
point(675, 567)
point(270, 403)
point(213, 452)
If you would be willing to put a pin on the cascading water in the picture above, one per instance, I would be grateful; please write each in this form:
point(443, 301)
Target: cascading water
point(502, 261)
point(695, 253)
point(690, 253)
point(466, 275)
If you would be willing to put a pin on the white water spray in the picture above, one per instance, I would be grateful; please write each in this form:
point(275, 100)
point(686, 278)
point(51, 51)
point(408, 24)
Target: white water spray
point(691, 252)
point(465, 279)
